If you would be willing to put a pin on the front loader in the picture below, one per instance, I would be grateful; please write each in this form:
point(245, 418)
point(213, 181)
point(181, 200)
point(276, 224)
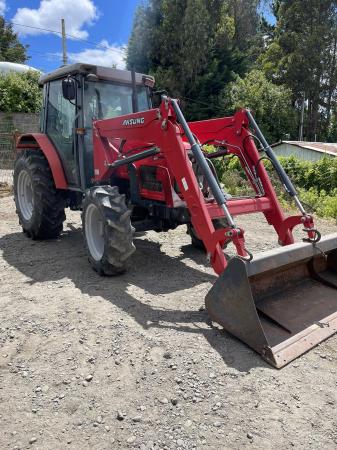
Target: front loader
point(128, 166)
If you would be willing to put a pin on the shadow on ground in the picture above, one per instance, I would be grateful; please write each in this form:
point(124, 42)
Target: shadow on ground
point(151, 270)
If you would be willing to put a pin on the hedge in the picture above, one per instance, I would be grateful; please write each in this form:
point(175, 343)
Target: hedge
point(316, 182)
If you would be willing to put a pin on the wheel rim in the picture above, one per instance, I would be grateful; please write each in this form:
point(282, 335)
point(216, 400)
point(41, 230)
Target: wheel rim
point(94, 232)
point(25, 195)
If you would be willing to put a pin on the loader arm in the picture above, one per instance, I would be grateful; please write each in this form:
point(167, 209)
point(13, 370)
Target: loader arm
point(163, 129)
point(234, 133)
point(251, 162)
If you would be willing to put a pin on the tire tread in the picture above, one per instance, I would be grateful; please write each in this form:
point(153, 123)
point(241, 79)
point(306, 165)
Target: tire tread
point(49, 215)
point(119, 232)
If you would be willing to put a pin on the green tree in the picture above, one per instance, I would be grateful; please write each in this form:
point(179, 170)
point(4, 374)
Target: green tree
point(138, 52)
point(332, 129)
point(246, 22)
point(10, 48)
point(20, 92)
point(193, 48)
point(302, 56)
point(270, 104)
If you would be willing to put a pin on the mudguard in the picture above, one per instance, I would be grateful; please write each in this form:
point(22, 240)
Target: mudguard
point(42, 142)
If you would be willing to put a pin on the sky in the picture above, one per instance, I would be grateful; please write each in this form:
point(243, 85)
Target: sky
point(97, 29)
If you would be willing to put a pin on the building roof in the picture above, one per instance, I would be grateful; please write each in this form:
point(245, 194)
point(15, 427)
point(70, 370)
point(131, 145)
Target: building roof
point(321, 147)
point(7, 67)
point(103, 73)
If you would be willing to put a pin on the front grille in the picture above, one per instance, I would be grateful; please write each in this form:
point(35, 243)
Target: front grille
point(148, 179)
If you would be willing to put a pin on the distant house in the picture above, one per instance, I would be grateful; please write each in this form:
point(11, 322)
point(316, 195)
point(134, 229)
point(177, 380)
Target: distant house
point(7, 67)
point(308, 151)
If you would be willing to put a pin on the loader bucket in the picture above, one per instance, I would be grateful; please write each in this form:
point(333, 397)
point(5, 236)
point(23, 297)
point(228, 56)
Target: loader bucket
point(282, 303)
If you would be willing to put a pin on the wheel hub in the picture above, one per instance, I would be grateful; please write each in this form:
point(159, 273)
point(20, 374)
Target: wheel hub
point(25, 195)
point(94, 232)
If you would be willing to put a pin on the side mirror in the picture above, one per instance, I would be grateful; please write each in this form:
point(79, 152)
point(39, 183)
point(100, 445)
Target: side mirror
point(69, 88)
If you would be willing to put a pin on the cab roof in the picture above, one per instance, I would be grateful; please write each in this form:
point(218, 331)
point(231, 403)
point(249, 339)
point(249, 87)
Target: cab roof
point(102, 73)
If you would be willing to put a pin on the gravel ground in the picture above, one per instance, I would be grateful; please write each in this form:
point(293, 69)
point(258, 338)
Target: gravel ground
point(131, 362)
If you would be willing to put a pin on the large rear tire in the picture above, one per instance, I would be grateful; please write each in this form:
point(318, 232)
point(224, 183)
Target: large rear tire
point(39, 205)
point(107, 230)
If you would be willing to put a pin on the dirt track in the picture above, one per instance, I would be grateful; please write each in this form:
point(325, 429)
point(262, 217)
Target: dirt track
point(78, 350)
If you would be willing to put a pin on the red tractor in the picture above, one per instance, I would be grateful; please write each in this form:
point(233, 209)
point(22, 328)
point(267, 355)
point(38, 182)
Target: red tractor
point(128, 166)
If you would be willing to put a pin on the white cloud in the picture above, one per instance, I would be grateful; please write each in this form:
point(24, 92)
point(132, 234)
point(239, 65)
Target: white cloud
point(76, 13)
point(2, 7)
point(105, 55)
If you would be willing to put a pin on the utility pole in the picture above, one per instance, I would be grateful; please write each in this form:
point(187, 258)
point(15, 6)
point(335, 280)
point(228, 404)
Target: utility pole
point(64, 43)
point(300, 138)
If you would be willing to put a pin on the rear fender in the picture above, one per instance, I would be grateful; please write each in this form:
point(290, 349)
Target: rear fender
point(40, 141)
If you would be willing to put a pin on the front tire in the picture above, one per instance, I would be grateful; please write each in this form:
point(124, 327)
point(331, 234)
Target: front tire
point(107, 230)
point(39, 205)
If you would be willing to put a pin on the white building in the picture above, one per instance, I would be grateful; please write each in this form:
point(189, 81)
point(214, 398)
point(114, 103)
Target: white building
point(307, 151)
point(7, 67)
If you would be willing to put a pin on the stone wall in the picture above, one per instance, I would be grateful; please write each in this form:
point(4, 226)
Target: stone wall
point(10, 124)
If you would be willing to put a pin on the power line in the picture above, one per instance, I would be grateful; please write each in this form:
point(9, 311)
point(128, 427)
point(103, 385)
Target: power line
point(197, 102)
point(95, 44)
point(49, 54)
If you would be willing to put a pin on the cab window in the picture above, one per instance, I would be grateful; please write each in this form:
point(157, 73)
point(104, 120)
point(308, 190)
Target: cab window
point(60, 127)
point(106, 100)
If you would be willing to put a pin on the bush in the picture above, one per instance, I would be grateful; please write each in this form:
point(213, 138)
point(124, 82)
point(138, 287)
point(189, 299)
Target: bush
point(230, 174)
point(20, 92)
point(270, 103)
point(316, 182)
point(321, 175)
point(323, 204)
point(328, 207)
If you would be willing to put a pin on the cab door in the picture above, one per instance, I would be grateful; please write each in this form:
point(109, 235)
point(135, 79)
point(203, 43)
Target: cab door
point(60, 128)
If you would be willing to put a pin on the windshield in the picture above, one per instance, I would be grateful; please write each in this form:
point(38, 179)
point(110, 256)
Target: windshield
point(106, 100)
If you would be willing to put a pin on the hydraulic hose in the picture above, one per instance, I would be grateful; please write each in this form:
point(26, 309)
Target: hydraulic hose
point(202, 162)
point(276, 163)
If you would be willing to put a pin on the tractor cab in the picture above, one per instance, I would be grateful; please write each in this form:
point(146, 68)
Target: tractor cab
point(77, 94)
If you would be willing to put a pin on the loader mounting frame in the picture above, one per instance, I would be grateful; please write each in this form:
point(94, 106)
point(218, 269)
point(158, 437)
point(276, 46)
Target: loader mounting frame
point(164, 129)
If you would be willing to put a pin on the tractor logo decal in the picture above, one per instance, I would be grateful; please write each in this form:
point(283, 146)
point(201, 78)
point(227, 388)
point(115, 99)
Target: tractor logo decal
point(138, 121)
